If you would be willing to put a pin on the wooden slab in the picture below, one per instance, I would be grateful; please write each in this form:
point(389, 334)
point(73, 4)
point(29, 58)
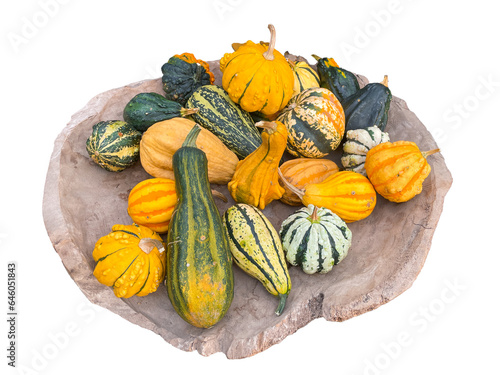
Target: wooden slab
point(82, 202)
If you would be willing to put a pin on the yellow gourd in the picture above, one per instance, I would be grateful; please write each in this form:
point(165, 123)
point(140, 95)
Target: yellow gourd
point(398, 169)
point(131, 259)
point(255, 181)
point(257, 76)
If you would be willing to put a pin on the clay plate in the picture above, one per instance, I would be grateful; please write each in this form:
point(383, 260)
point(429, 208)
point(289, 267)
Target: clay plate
point(82, 201)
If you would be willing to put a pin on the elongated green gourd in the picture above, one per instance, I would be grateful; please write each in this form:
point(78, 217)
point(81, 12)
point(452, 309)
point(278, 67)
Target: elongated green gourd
point(199, 264)
point(257, 250)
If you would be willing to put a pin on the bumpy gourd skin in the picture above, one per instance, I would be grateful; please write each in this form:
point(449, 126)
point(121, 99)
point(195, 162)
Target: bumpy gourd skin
point(255, 181)
point(397, 170)
point(124, 265)
point(348, 194)
point(256, 82)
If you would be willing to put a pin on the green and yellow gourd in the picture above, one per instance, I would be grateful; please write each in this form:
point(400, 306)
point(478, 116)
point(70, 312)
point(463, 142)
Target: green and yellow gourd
point(199, 265)
point(315, 239)
point(304, 76)
point(114, 145)
point(257, 249)
point(224, 118)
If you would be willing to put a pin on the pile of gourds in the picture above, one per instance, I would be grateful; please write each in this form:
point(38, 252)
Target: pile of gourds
point(237, 134)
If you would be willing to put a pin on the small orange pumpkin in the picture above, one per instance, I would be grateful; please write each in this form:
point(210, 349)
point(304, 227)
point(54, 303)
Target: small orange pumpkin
point(151, 203)
point(303, 171)
point(257, 76)
point(131, 259)
point(398, 169)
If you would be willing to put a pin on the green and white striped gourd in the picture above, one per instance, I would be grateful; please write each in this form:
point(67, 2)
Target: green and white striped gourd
point(257, 249)
point(114, 145)
point(315, 239)
point(358, 143)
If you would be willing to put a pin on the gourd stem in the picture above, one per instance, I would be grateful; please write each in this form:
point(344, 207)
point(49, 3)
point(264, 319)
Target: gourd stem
point(219, 195)
point(269, 54)
point(316, 57)
point(148, 244)
point(314, 215)
point(427, 153)
point(269, 126)
point(190, 140)
point(188, 111)
point(293, 189)
point(385, 82)
point(281, 304)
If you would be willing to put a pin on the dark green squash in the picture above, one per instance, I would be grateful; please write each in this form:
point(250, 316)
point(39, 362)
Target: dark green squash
point(148, 108)
point(199, 264)
point(368, 107)
point(181, 78)
point(340, 81)
point(114, 145)
point(224, 118)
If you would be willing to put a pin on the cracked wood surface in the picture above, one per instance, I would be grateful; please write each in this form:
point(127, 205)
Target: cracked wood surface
point(82, 202)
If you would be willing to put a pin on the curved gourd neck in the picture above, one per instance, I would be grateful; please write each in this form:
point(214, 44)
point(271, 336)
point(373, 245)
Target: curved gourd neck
point(269, 54)
point(190, 140)
point(300, 193)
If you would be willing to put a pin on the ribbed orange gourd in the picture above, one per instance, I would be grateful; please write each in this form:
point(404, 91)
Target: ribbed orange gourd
point(151, 203)
point(398, 169)
point(257, 77)
point(348, 194)
point(304, 171)
point(131, 259)
point(255, 181)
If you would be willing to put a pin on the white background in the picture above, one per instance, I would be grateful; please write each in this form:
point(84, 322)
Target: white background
point(439, 56)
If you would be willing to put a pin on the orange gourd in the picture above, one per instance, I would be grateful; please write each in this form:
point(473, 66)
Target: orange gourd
point(304, 171)
point(348, 194)
point(255, 181)
point(398, 169)
point(189, 57)
point(151, 203)
point(257, 76)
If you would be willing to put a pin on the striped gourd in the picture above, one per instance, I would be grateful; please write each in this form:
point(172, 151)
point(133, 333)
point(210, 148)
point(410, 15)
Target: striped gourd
point(315, 122)
point(224, 118)
point(131, 259)
point(348, 194)
point(304, 76)
point(199, 265)
point(151, 203)
point(303, 171)
point(114, 145)
point(358, 143)
point(257, 249)
point(315, 239)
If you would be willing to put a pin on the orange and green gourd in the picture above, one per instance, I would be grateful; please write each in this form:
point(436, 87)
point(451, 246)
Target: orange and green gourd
point(131, 259)
point(257, 76)
point(255, 181)
point(398, 169)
